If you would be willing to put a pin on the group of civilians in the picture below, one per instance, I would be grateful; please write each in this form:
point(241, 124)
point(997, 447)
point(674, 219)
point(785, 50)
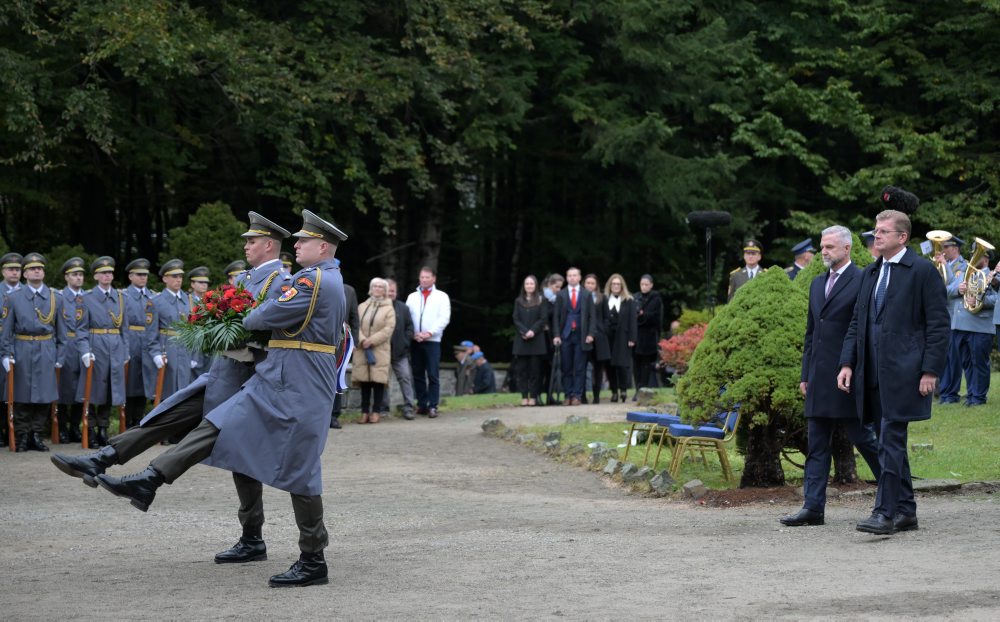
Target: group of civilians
point(563, 326)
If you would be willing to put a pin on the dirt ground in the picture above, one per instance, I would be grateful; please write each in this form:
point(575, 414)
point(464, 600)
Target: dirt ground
point(442, 522)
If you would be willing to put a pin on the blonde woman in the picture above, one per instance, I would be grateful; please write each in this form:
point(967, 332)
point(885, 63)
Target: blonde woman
point(373, 358)
point(622, 331)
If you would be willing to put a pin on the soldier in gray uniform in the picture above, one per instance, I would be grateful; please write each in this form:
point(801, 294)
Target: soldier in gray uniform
point(955, 264)
point(752, 252)
point(69, 375)
point(10, 264)
point(143, 342)
point(234, 270)
point(184, 410)
point(198, 278)
point(34, 339)
point(101, 342)
point(286, 261)
point(269, 431)
point(172, 305)
point(974, 334)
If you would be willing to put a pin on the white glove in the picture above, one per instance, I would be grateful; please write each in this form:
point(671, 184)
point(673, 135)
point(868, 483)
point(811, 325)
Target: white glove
point(6, 363)
point(58, 365)
point(159, 360)
point(194, 364)
point(87, 359)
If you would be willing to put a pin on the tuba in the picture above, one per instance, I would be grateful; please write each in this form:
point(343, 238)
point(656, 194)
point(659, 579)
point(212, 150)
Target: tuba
point(939, 237)
point(975, 281)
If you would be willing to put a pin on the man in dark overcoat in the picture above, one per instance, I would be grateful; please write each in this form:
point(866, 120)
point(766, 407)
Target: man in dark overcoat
point(893, 354)
point(573, 321)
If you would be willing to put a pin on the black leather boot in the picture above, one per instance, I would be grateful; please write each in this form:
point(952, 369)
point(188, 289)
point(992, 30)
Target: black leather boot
point(310, 569)
point(87, 466)
point(249, 548)
point(139, 488)
point(21, 442)
point(73, 430)
point(92, 438)
point(102, 436)
point(35, 442)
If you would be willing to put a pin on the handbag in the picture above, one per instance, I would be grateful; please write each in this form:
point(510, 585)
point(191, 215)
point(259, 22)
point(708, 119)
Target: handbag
point(370, 356)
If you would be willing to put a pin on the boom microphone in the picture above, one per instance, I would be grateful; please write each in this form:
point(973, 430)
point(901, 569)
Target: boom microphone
point(709, 219)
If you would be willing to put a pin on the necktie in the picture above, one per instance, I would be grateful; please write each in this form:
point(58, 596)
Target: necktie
point(572, 302)
point(753, 273)
point(880, 290)
point(830, 280)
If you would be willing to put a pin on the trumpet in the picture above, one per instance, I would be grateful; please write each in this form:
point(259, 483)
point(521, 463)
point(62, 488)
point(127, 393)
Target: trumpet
point(975, 281)
point(939, 237)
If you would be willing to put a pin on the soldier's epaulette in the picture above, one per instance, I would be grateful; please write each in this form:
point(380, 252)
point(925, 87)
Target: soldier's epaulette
point(789, 269)
point(735, 271)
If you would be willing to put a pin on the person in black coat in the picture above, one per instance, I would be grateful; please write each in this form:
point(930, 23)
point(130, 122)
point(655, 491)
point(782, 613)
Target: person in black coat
point(649, 308)
point(831, 305)
point(530, 317)
point(893, 354)
point(622, 334)
point(599, 354)
point(402, 336)
point(573, 333)
point(485, 380)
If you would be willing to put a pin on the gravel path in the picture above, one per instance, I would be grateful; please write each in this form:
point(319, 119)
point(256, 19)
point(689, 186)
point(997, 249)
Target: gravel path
point(441, 522)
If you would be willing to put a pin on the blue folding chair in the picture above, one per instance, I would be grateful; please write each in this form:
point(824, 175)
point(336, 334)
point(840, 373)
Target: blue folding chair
point(655, 424)
point(685, 437)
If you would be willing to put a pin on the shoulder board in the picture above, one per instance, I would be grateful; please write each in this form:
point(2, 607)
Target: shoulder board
point(304, 280)
point(789, 268)
point(736, 270)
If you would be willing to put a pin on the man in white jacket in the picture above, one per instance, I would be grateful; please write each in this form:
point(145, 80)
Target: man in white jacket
point(430, 309)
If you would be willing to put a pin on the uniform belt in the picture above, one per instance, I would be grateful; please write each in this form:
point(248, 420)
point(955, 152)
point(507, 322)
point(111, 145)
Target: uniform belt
point(71, 334)
point(302, 345)
point(33, 337)
point(105, 331)
point(168, 333)
point(137, 328)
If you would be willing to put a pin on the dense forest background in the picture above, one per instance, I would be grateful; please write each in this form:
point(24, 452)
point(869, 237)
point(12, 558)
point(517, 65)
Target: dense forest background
point(495, 138)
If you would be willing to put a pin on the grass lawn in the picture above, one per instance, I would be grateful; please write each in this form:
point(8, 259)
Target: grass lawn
point(966, 446)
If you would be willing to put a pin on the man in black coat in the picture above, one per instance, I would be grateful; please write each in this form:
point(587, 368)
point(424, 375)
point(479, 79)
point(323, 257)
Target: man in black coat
point(831, 306)
point(892, 357)
point(573, 323)
point(402, 335)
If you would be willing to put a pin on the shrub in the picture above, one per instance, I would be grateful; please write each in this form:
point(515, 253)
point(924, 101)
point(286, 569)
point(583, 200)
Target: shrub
point(676, 352)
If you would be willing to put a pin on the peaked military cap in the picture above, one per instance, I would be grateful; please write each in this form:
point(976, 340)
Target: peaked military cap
point(103, 264)
point(11, 260)
point(138, 266)
point(752, 245)
point(262, 227)
point(236, 267)
point(953, 241)
point(198, 275)
point(868, 237)
point(73, 264)
point(805, 246)
point(315, 227)
point(286, 258)
point(459, 348)
point(174, 267)
point(33, 260)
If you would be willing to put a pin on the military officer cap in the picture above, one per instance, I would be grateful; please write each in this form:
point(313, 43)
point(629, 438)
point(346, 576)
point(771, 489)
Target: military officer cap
point(73, 264)
point(752, 245)
point(198, 275)
point(138, 266)
point(33, 260)
point(805, 246)
point(103, 264)
point(953, 241)
point(236, 267)
point(286, 258)
point(11, 260)
point(458, 348)
point(868, 237)
point(174, 267)
point(262, 227)
point(315, 227)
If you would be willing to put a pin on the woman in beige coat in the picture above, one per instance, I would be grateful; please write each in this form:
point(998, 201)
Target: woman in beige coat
point(372, 358)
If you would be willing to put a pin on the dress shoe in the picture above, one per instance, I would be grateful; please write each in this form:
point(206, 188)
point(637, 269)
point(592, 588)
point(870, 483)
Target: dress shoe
point(614, 397)
point(247, 549)
point(374, 418)
point(902, 522)
point(877, 524)
point(432, 413)
point(803, 517)
point(36, 443)
point(597, 399)
point(363, 419)
point(87, 466)
point(335, 423)
point(948, 400)
point(408, 413)
point(139, 488)
point(310, 569)
point(421, 410)
point(92, 439)
point(74, 435)
point(102, 436)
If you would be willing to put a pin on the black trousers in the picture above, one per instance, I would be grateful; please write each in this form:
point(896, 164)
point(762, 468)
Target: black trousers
point(368, 402)
point(529, 375)
point(819, 456)
point(895, 485)
point(30, 417)
point(642, 370)
point(618, 377)
point(135, 408)
point(173, 422)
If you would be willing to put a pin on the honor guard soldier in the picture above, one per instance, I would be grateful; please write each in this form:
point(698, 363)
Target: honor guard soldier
point(101, 342)
point(286, 261)
point(234, 270)
point(34, 339)
point(868, 239)
point(11, 268)
point(973, 328)
point(173, 305)
point(69, 374)
point(268, 431)
point(198, 278)
point(803, 252)
point(752, 252)
point(143, 342)
point(955, 265)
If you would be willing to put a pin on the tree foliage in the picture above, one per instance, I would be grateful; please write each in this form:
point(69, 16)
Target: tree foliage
point(211, 238)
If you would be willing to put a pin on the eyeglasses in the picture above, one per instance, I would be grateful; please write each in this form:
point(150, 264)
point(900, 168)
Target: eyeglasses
point(885, 231)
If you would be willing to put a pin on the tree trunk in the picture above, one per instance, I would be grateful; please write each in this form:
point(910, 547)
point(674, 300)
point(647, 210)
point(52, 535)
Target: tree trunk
point(845, 468)
point(762, 468)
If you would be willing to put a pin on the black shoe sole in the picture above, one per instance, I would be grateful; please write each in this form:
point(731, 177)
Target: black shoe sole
point(319, 581)
point(69, 470)
point(913, 527)
point(877, 532)
point(256, 558)
point(802, 523)
point(139, 505)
